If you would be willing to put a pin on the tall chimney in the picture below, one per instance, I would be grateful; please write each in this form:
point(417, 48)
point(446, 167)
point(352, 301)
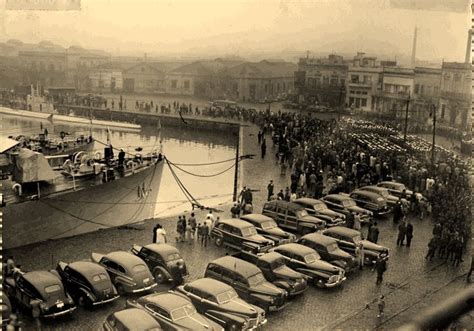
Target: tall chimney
point(468, 47)
point(413, 52)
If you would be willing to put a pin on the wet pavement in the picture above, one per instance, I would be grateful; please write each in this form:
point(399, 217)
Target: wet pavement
point(410, 283)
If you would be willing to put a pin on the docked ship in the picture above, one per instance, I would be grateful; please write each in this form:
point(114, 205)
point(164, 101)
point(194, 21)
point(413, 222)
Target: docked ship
point(87, 192)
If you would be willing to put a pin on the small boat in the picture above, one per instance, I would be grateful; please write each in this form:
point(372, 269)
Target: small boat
point(53, 145)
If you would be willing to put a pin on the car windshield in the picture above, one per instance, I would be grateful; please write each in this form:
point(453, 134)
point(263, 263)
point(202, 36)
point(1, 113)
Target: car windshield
point(356, 238)
point(139, 268)
point(52, 288)
point(226, 296)
point(182, 312)
point(99, 277)
point(332, 247)
point(256, 279)
point(269, 225)
point(278, 263)
point(173, 257)
point(348, 203)
point(311, 258)
point(250, 231)
point(319, 206)
point(302, 213)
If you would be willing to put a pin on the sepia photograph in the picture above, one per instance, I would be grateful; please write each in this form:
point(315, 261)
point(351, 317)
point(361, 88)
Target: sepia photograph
point(236, 165)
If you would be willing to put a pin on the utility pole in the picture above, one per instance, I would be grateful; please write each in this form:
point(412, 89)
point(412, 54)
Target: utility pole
point(434, 136)
point(406, 120)
point(236, 173)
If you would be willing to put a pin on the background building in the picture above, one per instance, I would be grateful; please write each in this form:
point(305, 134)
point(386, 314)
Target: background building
point(425, 92)
point(397, 90)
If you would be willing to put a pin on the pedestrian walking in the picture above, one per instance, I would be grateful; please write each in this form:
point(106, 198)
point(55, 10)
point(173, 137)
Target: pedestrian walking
point(432, 245)
point(180, 229)
point(409, 233)
point(380, 267)
point(263, 148)
point(204, 234)
point(359, 253)
point(188, 233)
point(402, 230)
point(192, 222)
point(199, 233)
point(381, 306)
point(270, 188)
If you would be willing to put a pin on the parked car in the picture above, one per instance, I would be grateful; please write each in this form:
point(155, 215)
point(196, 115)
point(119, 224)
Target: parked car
point(268, 228)
point(221, 303)
point(41, 285)
point(396, 189)
point(164, 261)
point(131, 319)
point(307, 261)
point(319, 209)
point(347, 239)
point(391, 199)
point(128, 272)
point(292, 216)
point(88, 283)
point(6, 309)
point(329, 251)
point(343, 203)
point(174, 311)
point(374, 202)
point(248, 281)
point(274, 268)
point(239, 234)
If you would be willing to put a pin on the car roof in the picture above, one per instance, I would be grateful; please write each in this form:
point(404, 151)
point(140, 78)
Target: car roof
point(209, 285)
point(286, 204)
point(242, 267)
point(308, 201)
point(320, 238)
point(270, 257)
point(236, 223)
point(297, 248)
point(167, 300)
point(162, 248)
point(392, 183)
point(367, 193)
point(342, 230)
point(338, 197)
point(258, 218)
point(86, 268)
point(124, 258)
point(136, 319)
point(42, 278)
point(373, 187)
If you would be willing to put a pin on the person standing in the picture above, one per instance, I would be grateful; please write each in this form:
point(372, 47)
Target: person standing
point(235, 210)
point(263, 148)
point(402, 230)
point(380, 267)
point(159, 234)
point(270, 188)
point(397, 211)
point(260, 136)
point(359, 252)
point(373, 235)
point(204, 234)
point(192, 222)
point(188, 232)
point(36, 312)
point(409, 233)
point(432, 245)
point(381, 306)
point(180, 228)
point(280, 195)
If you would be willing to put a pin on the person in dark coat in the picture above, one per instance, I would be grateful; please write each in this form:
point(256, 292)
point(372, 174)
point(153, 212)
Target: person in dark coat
point(270, 188)
point(350, 221)
point(263, 147)
point(402, 230)
point(432, 245)
point(397, 211)
point(380, 267)
point(409, 233)
point(373, 235)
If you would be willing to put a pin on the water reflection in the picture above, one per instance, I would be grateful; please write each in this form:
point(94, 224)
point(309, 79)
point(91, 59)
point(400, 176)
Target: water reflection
point(180, 145)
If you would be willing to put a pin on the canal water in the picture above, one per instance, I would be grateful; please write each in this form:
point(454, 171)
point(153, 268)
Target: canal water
point(182, 145)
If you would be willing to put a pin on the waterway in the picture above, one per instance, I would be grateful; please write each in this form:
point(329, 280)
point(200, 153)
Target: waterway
point(180, 145)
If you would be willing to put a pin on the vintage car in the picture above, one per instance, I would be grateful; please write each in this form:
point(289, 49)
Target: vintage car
point(374, 202)
point(343, 203)
point(164, 261)
point(221, 303)
point(391, 199)
point(174, 311)
point(240, 234)
point(87, 282)
point(274, 268)
point(329, 251)
point(248, 281)
point(292, 216)
point(6, 309)
point(268, 228)
point(320, 210)
point(128, 272)
point(131, 319)
point(308, 262)
point(396, 189)
point(44, 286)
point(347, 239)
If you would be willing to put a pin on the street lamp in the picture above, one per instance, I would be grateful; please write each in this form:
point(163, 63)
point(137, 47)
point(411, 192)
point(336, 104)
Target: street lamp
point(433, 113)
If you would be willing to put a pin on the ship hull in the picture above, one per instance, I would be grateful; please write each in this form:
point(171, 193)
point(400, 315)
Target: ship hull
point(116, 203)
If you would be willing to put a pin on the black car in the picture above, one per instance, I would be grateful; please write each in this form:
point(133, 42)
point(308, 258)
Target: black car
point(164, 261)
point(174, 311)
point(397, 189)
point(320, 210)
point(347, 239)
point(248, 281)
point(343, 203)
point(239, 235)
point(221, 303)
point(275, 270)
point(88, 283)
point(41, 285)
point(329, 251)
point(391, 199)
point(130, 319)
point(268, 228)
point(371, 201)
point(307, 261)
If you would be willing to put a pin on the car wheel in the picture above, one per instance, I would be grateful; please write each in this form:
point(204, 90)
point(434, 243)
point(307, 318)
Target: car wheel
point(218, 241)
point(82, 301)
point(159, 276)
point(120, 289)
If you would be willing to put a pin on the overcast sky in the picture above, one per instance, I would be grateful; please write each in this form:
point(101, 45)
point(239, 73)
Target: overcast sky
point(243, 27)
